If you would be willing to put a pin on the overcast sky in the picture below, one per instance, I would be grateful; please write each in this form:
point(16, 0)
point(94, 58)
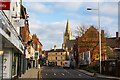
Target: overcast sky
point(48, 19)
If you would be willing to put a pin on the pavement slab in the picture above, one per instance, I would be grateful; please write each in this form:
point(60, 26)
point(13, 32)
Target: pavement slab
point(33, 73)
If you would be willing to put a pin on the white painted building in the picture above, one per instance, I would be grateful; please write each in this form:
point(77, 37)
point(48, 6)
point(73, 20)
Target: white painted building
point(10, 42)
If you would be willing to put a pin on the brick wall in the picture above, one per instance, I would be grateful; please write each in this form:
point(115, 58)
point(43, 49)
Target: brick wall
point(90, 42)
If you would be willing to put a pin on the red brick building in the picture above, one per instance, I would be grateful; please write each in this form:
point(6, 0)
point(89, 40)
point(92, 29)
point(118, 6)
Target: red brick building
point(113, 47)
point(37, 44)
point(25, 33)
point(89, 41)
point(38, 49)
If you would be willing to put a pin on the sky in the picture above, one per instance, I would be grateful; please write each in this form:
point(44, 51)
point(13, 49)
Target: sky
point(48, 19)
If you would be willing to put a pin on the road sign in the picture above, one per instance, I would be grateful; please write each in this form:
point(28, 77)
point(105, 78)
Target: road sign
point(97, 56)
point(36, 54)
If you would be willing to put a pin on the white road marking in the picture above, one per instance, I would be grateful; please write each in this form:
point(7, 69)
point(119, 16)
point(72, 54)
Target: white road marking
point(79, 74)
point(63, 74)
point(54, 74)
point(66, 71)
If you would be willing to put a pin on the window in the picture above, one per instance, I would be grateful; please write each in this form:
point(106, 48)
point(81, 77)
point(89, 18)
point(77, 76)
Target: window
point(14, 64)
point(61, 57)
point(16, 4)
point(91, 35)
point(61, 53)
point(61, 63)
point(56, 58)
point(13, 9)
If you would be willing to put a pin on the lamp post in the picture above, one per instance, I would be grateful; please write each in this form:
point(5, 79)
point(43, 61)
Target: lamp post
point(99, 31)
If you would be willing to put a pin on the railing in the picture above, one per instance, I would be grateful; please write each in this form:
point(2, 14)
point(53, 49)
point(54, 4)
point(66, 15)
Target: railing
point(10, 31)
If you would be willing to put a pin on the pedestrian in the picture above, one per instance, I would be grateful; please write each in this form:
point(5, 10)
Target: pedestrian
point(29, 65)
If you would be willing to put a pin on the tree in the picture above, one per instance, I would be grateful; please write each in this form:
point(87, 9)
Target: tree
point(80, 30)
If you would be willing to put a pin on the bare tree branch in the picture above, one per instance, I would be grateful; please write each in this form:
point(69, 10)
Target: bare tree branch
point(80, 30)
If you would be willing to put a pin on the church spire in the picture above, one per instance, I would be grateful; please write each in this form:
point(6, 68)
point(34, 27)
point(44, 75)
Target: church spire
point(68, 34)
point(67, 27)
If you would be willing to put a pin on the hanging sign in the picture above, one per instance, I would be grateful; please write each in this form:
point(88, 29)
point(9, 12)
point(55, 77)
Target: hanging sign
point(4, 4)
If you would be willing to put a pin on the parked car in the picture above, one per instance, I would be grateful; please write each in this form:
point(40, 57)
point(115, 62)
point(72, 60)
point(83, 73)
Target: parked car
point(44, 64)
point(66, 64)
point(50, 63)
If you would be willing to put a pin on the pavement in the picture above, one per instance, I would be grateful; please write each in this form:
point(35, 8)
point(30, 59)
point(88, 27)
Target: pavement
point(99, 75)
point(33, 73)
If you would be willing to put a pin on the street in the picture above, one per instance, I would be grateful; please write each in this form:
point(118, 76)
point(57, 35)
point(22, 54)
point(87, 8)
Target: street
point(58, 73)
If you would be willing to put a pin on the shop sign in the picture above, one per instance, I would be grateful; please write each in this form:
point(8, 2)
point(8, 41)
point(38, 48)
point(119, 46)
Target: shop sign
point(4, 4)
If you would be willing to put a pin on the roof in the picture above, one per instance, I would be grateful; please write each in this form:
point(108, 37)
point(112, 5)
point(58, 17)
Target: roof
point(111, 42)
point(57, 50)
point(70, 43)
point(23, 12)
point(67, 31)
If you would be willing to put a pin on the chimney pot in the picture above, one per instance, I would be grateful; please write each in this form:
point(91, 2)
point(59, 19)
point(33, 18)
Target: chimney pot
point(117, 35)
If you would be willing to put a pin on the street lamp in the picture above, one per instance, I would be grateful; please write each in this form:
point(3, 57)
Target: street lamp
point(99, 30)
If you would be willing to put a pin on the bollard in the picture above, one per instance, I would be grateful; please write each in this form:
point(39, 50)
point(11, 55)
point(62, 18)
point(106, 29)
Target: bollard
point(94, 74)
point(38, 77)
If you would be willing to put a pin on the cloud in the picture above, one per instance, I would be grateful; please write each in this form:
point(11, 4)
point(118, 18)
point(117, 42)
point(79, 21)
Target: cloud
point(106, 8)
point(109, 9)
point(103, 20)
point(71, 6)
point(48, 33)
point(39, 7)
point(51, 34)
point(70, 0)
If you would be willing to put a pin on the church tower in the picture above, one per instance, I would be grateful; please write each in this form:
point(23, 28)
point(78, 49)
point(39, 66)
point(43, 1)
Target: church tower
point(67, 34)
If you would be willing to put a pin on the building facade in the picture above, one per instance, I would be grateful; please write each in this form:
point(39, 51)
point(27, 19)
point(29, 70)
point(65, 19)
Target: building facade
point(10, 42)
point(89, 42)
point(113, 47)
point(37, 45)
point(27, 40)
point(58, 56)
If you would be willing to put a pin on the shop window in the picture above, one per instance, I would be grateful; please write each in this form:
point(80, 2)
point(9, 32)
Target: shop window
point(14, 65)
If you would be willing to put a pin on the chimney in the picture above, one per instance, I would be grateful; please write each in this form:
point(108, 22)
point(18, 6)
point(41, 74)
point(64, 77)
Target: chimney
point(117, 35)
point(54, 47)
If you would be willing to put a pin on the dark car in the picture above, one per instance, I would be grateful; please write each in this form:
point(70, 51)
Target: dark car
point(44, 64)
point(50, 63)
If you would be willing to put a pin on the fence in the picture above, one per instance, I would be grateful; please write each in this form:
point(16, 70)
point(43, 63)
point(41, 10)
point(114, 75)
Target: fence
point(111, 67)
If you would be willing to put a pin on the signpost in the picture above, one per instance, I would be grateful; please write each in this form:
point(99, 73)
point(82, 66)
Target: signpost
point(36, 58)
point(36, 54)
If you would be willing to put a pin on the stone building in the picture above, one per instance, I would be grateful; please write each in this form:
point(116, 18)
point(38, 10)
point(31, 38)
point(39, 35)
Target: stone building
point(68, 42)
point(57, 56)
